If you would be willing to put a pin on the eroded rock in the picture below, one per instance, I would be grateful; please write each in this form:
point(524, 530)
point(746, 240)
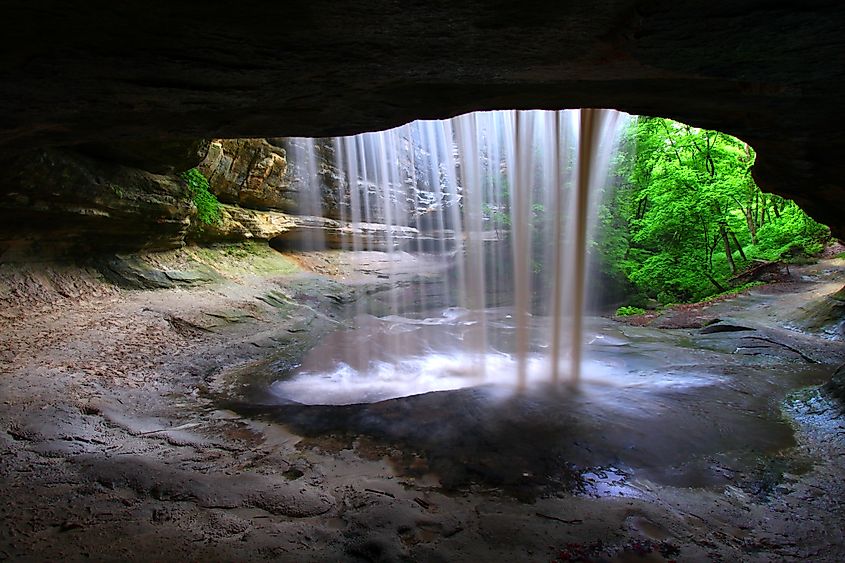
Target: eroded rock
point(302, 232)
point(303, 177)
point(315, 233)
point(251, 173)
point(58, 200)
point(163, 482)
point(237, 223)
point(168, 156)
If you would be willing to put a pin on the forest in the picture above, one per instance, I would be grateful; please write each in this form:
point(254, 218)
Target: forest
point(684, 219)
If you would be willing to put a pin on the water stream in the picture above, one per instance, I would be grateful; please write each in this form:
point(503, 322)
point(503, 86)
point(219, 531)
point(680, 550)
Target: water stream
point(508, 200)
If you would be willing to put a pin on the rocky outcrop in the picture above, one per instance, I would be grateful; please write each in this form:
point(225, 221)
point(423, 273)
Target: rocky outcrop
point(159, 156)
point(62, 201)
point(58, 201)
point(315, 233)
point(251, 173)
point(295, 176)
point(304, 232)
point(237, 223)
point(134, 272)
point(301, 177)
point(824, 317)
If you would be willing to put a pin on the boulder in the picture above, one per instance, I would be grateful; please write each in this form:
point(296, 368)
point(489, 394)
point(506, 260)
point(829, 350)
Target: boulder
point(237, 223)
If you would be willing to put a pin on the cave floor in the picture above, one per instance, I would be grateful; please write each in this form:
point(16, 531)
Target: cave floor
point(134, 427)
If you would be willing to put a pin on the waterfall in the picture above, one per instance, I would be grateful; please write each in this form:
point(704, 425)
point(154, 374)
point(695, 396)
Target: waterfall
point(508, 200)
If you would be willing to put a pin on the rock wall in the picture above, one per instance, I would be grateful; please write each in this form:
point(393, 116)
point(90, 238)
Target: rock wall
point(271, 174)
point(251, 173)
point(301, 177)
point(59, 201)
point(305, 232)
point(88, 201)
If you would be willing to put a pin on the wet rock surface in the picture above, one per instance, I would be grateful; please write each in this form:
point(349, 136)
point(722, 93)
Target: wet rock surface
point(316, 233)
point(115, 446)
point(662, 407)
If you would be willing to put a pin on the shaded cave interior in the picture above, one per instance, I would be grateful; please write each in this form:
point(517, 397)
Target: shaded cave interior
point(97, 127)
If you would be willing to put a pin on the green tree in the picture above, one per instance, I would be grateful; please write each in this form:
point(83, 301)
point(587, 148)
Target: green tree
point(687, 216)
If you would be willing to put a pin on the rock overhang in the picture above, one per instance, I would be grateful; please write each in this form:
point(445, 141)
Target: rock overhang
point(767, 73)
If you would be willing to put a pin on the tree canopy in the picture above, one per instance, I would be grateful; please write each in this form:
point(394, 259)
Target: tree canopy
point(687, 217)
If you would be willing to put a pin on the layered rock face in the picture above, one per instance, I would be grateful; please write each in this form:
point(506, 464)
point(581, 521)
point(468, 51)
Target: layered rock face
point(274, 174)
point(250, 173)
point(59, 201)
point(767, 73)
point(291, 193)
point(302, 177)
point(304, 232)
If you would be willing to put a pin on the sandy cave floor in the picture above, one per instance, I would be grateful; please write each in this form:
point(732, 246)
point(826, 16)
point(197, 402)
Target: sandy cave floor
point(127, 434)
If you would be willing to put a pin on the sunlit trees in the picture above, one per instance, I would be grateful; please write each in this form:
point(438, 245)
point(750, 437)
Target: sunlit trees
point(688, 215)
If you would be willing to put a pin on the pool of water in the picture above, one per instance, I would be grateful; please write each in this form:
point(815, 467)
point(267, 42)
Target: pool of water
point(674, 407)
point(392, 357)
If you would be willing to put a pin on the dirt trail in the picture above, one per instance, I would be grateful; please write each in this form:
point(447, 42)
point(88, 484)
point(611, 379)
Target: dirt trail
point(114, 445)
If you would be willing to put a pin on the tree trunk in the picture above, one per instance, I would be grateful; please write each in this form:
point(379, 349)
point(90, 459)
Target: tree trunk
point(711, 250)
point(757, 197)
point(719, 286)
point(724, 233)
point(708, 248)
point(738, 246)
point(672, 142)
point(749, 213)
point(642, 203)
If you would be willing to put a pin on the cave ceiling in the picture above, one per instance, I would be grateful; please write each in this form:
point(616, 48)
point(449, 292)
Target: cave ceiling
point(771, 73)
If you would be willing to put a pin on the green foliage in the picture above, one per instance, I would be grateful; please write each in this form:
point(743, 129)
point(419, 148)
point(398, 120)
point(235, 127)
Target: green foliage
point(208, 207)
point(628, 311)
point(687, 216)
point(793, 235)
point(498, 216)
